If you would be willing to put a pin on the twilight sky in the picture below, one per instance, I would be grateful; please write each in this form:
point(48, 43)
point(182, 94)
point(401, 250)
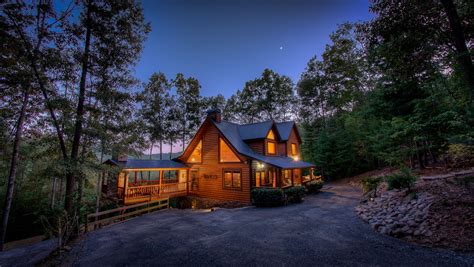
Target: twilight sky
point(224, 43)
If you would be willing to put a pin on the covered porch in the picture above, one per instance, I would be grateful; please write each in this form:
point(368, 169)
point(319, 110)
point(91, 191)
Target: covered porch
point(143, 180)
point(281, 175)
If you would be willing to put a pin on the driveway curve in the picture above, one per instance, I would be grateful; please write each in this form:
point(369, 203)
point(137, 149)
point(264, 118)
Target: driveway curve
point(323, 230)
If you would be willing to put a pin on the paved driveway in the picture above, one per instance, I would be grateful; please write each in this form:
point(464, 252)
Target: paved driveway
point(324, 230)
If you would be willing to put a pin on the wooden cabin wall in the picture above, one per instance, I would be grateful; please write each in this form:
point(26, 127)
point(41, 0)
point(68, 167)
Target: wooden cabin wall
point(293, 139)
point(210, 183)
point(257, 146)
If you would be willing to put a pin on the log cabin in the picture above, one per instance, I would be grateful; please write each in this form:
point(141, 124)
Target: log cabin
point(222, 162)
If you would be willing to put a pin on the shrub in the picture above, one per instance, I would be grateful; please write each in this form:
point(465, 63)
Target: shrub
point(295, 194)
point(400, 180)
point(314, 186)
point(268, 197)
point(459, 156)
point(370, 184)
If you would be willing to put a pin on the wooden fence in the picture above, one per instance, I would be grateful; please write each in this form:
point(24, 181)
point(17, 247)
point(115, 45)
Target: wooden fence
point(99, 219)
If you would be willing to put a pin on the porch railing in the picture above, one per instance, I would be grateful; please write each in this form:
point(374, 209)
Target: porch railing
point(154, 190)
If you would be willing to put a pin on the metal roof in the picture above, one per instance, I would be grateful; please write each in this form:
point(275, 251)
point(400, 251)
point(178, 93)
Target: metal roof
point(284, 129)
point(148, 164)
point(232, 134)
point(254, 130)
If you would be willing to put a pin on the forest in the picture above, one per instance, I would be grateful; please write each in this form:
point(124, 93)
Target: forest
point(397, 90)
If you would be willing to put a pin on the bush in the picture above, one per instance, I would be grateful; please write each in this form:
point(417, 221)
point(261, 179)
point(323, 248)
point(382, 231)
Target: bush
point(268, 197)
point(314, 186)
point(459, 156)
point(370, 184)
point(400, 180)
point(295, 194)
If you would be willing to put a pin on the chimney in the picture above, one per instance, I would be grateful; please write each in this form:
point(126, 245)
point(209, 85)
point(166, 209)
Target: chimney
point(214, 114)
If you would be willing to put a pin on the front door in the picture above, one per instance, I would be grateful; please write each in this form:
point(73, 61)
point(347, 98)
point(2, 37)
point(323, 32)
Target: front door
point(194, 179)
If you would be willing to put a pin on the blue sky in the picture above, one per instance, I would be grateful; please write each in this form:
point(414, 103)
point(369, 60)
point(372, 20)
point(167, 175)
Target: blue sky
point(228, 42)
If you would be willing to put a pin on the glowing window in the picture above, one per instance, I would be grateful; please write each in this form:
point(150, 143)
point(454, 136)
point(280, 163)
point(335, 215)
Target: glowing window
point(293, 149)
point(232, 179)
point(225, 153)
point(271, 148)
point(271, 135)
point(196, 156)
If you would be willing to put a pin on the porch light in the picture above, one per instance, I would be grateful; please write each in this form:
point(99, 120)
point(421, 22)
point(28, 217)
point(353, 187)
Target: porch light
point(260, 165)
point(296, 158)
point(193, 159)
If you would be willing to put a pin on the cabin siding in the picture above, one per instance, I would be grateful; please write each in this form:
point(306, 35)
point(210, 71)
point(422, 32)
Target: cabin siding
point(282, 149)
point(293, 139)
point(210, 171)
point(257, 146)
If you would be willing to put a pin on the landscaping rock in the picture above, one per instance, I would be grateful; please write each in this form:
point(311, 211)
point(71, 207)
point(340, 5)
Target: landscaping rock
point(437, 212)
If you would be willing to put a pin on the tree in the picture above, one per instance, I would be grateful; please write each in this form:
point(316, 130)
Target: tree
point(214, 102)
point(188, 105)
point(270, 97)
point(108, 33)
point(458, 35)
point(155, 105)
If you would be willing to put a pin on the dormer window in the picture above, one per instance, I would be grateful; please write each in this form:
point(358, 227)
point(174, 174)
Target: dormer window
point(271, 148)
point(293, 149)
point(271, 135)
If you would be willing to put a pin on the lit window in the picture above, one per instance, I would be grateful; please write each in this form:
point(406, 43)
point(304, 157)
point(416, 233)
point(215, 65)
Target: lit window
point(271, 148)
point(271, 135)
point(196, 156)
point(225, 153)
point(232, 179)
point(293, 149)
point(286, 177)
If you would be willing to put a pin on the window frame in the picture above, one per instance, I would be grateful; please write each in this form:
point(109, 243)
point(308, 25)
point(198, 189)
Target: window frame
point(232, 187)
point(201, 158)
point(266, 148)
point(219, 151)
point(296, 149)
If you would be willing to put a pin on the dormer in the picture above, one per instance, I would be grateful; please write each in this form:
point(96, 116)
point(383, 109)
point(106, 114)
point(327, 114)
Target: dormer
point(271, 143)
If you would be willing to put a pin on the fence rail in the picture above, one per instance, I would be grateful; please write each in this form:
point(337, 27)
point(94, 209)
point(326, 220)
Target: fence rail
point(99, 219)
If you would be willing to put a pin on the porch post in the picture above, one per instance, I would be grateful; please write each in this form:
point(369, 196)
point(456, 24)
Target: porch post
point(125, 185)
point(187, 182)
point(292, 177)
point(311, 175)
point(161, 181)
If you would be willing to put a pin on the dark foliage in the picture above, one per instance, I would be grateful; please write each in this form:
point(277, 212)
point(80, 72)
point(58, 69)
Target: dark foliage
point(268, 197)
point(295, 194)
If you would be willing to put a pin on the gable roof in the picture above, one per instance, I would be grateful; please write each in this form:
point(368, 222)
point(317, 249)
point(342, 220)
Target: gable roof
point(284, 129)
point(148, 164)
point(254, 130)
point(231, 132)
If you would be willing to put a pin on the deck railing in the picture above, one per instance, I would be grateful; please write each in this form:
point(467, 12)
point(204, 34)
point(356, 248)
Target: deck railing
point(99, 219)
point(148, 192)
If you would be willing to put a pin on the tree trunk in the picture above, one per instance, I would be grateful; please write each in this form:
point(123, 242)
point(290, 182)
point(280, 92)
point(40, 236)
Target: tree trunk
point(151, 151)
point(161, 149)
point(13, 169)
point(171, 148)
point(70, 177)
point(53, 193)
point(463, 57)
point(419, 156)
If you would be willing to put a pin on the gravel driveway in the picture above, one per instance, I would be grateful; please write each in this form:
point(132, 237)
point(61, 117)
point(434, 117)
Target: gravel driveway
point(323, 230)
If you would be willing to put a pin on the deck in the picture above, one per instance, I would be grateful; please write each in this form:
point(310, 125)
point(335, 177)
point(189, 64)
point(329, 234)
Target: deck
point(150, 192)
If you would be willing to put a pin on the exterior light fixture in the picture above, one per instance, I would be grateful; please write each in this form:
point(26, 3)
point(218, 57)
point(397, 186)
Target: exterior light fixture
point(192, 159)
point(296, 158)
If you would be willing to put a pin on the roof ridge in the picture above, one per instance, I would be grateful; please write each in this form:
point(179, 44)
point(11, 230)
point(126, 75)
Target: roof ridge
point(256, 122)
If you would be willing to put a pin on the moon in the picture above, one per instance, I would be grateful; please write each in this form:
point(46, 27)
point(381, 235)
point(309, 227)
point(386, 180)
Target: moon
point(281, 47)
